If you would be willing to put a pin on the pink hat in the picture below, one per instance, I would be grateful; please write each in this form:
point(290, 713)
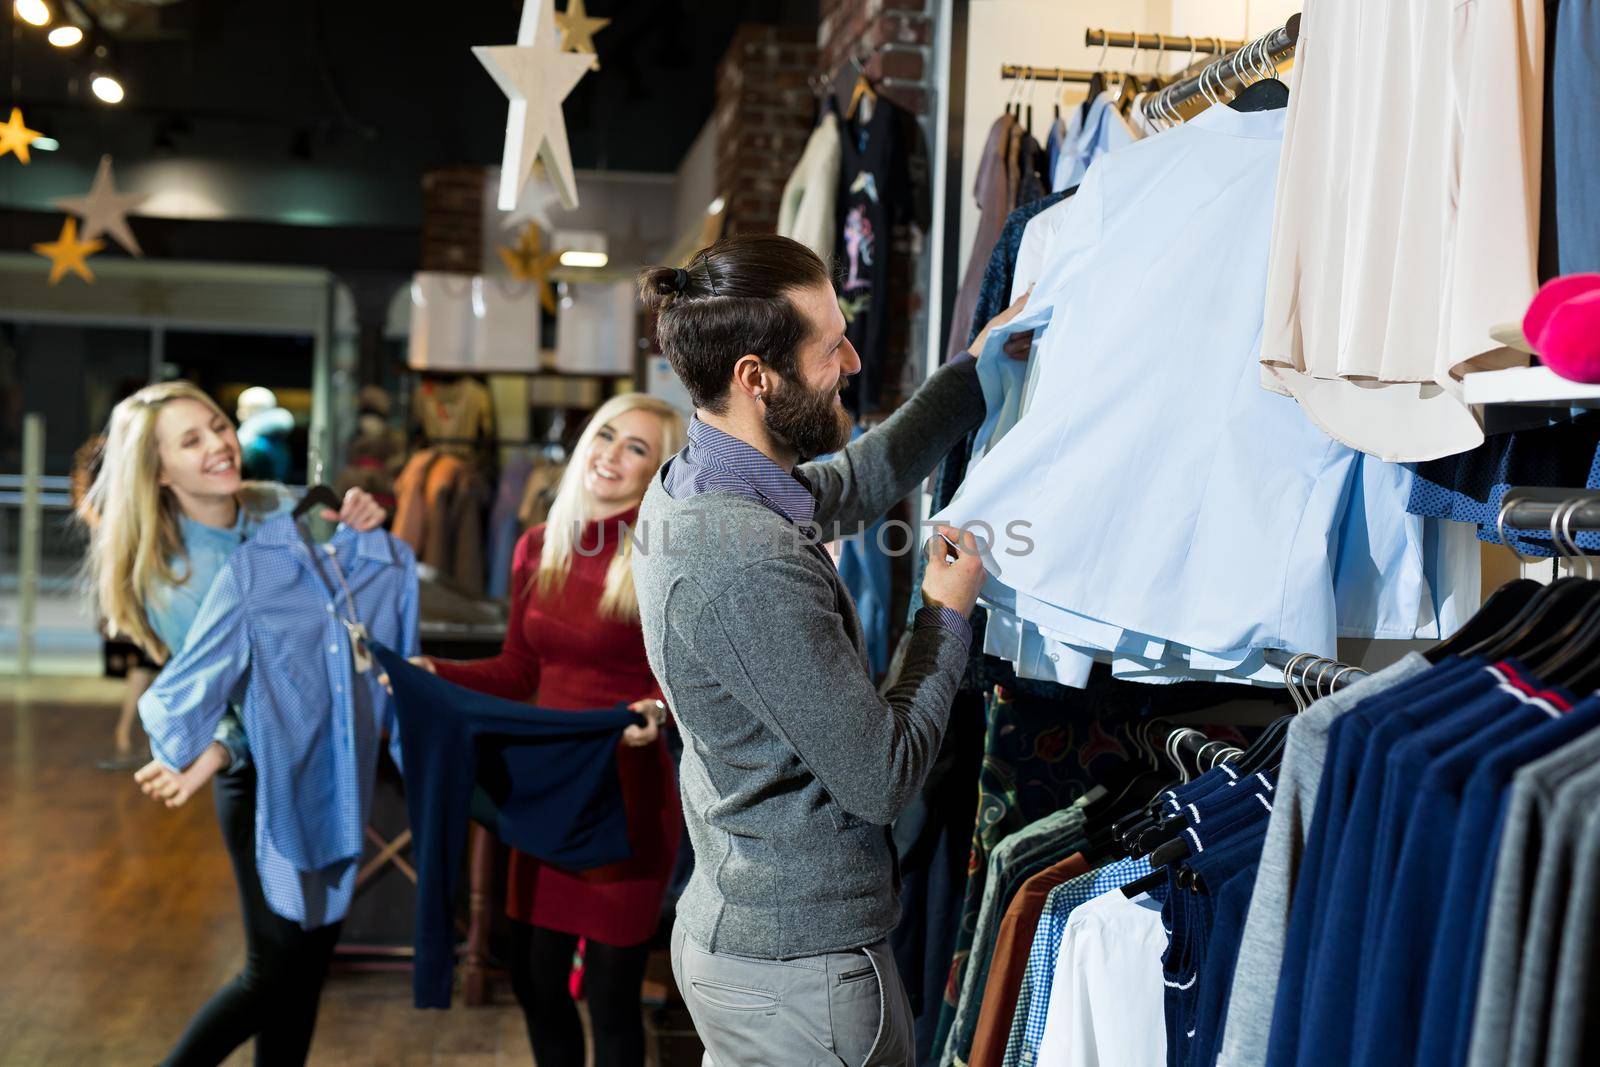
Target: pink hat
point(1563, 326)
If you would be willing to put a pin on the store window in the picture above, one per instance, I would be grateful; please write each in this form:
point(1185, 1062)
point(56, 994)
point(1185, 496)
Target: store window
point(72, 375)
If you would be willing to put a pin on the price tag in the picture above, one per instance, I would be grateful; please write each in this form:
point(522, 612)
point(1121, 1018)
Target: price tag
point(358, 645)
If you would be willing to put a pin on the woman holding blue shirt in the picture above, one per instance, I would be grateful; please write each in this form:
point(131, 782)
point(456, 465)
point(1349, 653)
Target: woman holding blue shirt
point(166, 510)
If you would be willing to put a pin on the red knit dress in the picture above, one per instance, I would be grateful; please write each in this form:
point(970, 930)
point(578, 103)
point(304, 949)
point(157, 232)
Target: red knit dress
point(559, 653)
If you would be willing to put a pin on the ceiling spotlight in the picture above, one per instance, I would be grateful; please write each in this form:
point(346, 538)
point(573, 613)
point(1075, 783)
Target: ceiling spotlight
point(66, 36)
point(584, 259)
point(716, 206)
point(107, 88)
point(33, 12)
point(47, 144)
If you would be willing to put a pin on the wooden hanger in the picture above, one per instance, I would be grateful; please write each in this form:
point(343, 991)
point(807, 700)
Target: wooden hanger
point(863, 91)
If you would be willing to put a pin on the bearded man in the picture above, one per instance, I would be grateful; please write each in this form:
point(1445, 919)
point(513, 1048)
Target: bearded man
point(794, 765)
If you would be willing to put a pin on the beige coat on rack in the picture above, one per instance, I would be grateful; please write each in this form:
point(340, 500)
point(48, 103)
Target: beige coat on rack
point(810, 196)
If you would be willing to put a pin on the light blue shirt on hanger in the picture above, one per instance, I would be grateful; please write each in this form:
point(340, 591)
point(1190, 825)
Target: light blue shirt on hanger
point(1184, 518)
point(171, 609)
point(271, 637)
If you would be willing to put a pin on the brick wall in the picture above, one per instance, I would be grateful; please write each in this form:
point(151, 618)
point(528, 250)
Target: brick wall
point(897, 34)
point(763, 117)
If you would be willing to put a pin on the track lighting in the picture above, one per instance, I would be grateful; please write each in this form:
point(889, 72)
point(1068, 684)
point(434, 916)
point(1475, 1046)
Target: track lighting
point(107, 88)
point(66, 36)
point(33, 12)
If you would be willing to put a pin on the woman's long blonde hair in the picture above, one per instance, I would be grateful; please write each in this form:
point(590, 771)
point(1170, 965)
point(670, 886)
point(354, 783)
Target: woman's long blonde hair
point(574, 504)
point(134, 538)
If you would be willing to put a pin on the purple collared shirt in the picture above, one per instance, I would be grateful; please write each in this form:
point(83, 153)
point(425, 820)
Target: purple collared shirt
point(718, 462)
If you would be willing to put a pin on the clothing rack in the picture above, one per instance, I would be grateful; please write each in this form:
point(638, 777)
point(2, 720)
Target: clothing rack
point(1554, 510)
point(1329, 672)
point(825, 82)
point(1161, 41)
point(1011, 71)
point(1225, 77)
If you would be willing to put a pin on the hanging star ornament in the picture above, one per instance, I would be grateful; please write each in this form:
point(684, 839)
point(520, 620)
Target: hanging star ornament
point(578, 30)
point(528, 262)
point(15, 137)
point(68, 253)
point(537, 76)
point(533, 203)
point(104, 210)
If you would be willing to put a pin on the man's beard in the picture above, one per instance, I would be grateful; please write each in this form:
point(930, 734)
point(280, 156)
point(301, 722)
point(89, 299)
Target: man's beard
point(808, 421)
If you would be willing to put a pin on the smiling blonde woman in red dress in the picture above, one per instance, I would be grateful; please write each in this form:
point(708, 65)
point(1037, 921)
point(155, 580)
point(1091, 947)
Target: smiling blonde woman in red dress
point(574, 643)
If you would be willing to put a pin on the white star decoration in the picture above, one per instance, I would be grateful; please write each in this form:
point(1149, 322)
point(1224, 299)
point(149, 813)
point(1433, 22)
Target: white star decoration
point(104, 210)
point(537, 76)
point(538, 196)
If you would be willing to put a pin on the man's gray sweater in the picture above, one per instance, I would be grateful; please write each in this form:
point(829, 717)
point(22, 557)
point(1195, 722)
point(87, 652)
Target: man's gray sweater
point(794, 766)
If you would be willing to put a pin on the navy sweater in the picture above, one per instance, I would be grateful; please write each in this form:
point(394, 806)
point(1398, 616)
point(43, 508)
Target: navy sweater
point(551, 774)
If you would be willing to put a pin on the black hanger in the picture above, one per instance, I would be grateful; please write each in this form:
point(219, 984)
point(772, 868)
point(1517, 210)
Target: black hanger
point(1125, 833)
point(1118, 786)
point(317, 495)
point(1553, 648)
point(1568, 653)
point(1267, 749)
point(1503, 605)
point(1579, 666)
point(1268, 94)
point(1543, 616)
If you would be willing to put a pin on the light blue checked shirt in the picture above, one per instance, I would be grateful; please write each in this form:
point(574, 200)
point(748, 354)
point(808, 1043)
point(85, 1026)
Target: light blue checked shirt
point(1033, 999)
point(313, 721)
point(171, 607)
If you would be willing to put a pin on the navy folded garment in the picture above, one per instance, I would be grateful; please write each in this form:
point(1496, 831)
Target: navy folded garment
point(551, 774)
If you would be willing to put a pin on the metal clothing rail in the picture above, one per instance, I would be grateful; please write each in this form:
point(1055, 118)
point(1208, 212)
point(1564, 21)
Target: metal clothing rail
point(1313, 670)
point(1009, 71)
point(1225, 77)
point(1165, 42)
point(1562, 512)
point(1552, 510)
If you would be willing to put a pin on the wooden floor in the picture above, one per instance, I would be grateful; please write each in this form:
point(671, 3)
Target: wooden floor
point(119, 918)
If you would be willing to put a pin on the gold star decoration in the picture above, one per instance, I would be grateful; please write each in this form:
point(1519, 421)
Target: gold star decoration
point(578, 30)
point(68, 253)
point(15, 137)
point(104, 210)
point(528, 262)
point(536, 76)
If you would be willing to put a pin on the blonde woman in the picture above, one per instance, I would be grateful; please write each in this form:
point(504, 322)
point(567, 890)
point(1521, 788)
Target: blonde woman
point(165, 511)
point(574, 643)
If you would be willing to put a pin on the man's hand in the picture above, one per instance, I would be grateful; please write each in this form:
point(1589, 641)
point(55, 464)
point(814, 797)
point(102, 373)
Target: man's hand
point(655, 713)
point(360, 512)
point(425, 662)
point(174, 788)
point(954, 576)
point(1017, 345)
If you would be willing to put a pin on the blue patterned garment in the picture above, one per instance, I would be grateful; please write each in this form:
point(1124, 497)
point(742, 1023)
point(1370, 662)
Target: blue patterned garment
point(1033, 999)
point(1470, 487)
point(314, 722)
